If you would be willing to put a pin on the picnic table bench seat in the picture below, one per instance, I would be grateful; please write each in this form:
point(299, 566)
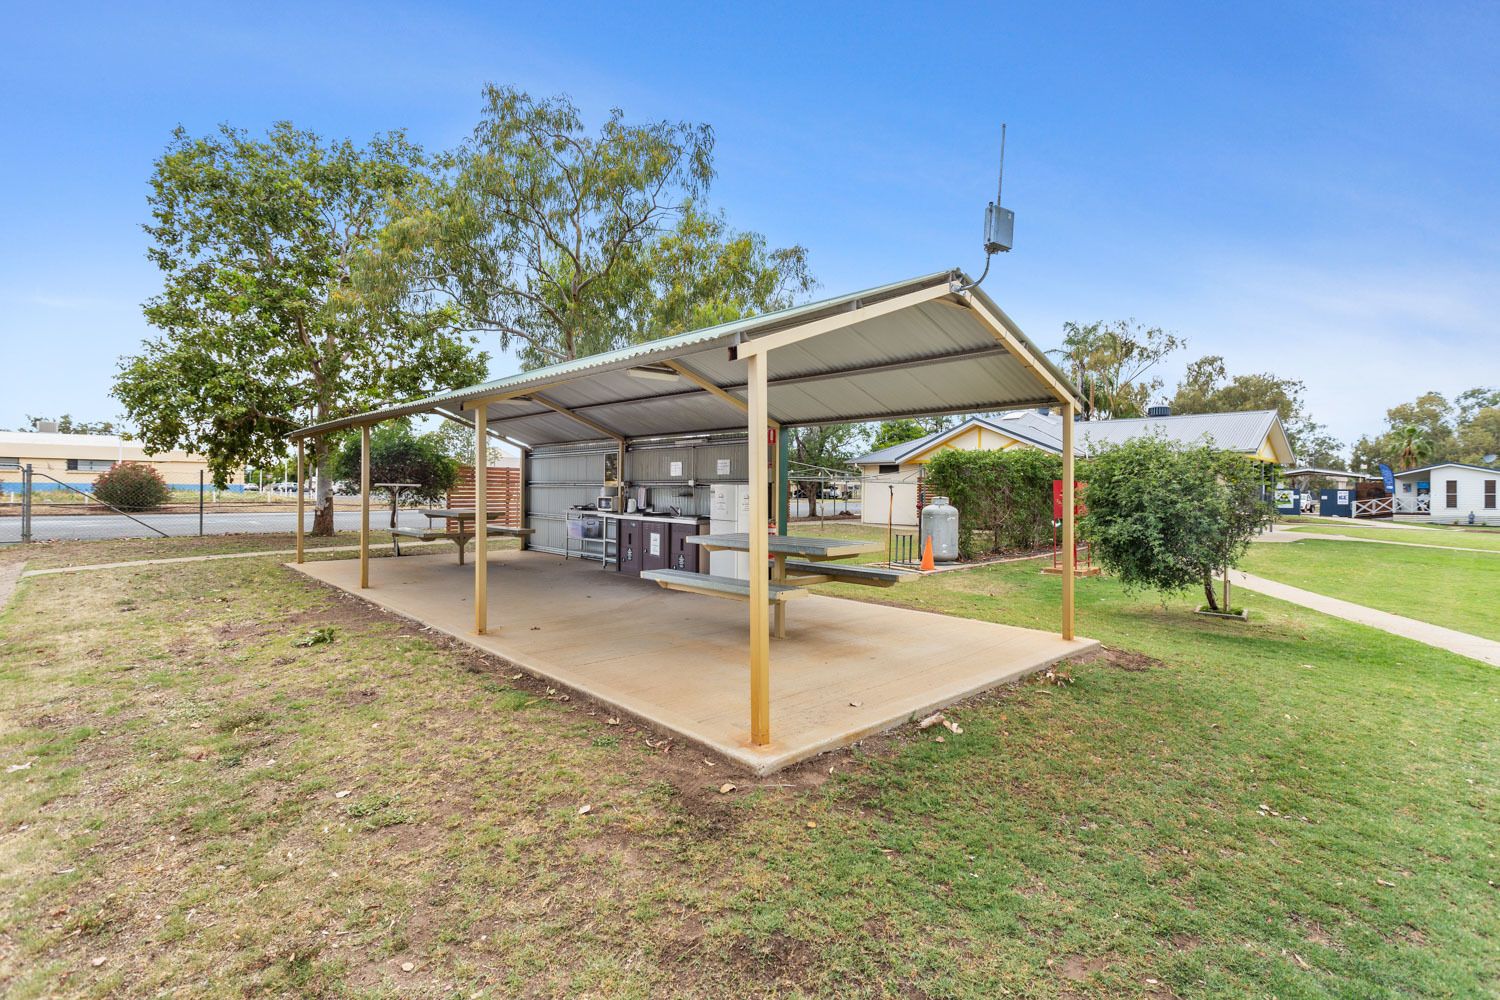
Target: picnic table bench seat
point(510, 530)
point(869, 576)
point(428, 534)
point(716, 586)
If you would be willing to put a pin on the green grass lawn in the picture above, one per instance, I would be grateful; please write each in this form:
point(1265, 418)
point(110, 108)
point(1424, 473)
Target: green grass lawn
point(1442, 586)
point(235, 782)
point(1441, 539)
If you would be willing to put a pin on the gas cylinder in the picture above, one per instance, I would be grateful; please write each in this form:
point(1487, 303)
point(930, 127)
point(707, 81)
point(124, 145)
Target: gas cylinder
point(940, 523)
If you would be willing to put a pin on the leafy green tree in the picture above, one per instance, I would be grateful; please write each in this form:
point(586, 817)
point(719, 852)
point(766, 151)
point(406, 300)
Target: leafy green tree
point(1470, 403)
point(67, 425)
point(1480, 437)
point(1432, 415)
point(827, 447)
point(566, 243)
point(900, 431)
point(263, 328)
point(399, 455)
point(1207, 388)
point(1168, 518)
point(1112, 365)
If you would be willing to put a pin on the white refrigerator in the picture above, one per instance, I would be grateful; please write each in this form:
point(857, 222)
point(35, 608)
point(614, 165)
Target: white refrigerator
point(729, 513)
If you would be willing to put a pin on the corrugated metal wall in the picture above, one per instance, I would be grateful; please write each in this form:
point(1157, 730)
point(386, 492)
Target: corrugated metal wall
point(561, 476)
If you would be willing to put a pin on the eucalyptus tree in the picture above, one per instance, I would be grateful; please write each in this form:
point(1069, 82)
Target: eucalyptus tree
point(262, 324)
point(566, 242)
point(1114, 365)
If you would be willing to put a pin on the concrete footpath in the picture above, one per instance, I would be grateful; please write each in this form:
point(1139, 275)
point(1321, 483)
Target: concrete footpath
point(1473, 646)
point(1278, 534)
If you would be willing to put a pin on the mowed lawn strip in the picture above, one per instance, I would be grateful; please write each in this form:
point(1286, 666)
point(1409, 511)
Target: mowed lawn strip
point(1454, 589)
point(1296, 806)
point(1487, 539)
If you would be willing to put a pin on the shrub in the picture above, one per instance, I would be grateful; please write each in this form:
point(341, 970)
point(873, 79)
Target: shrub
point(1168, 518)
point(132, 486)
point(1005, 494)
point(399, 456)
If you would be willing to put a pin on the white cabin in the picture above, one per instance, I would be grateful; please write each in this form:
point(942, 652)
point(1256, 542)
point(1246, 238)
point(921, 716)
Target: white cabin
point(1450, 493)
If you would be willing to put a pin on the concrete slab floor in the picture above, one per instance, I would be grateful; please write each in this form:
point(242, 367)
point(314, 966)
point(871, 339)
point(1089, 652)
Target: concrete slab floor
point(678, 661)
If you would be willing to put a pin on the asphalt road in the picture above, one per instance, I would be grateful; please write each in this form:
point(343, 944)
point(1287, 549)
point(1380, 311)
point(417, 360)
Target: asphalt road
point(58, 528)
point(67, 527)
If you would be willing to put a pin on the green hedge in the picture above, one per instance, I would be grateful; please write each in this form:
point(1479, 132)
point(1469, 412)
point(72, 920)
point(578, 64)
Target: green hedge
point(1004, 498)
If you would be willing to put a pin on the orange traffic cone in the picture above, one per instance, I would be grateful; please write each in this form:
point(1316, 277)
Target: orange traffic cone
point(927, 564)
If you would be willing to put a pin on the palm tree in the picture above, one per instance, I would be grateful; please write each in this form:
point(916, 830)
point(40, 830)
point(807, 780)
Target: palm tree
point(1415, 445)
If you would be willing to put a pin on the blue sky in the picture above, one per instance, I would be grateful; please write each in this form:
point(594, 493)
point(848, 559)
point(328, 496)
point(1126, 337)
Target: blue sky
point(1306, 189)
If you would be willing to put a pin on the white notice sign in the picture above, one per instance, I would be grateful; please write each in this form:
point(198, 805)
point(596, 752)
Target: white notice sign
point(655, 543)
point(721, 467)
point(675, 469)
point(1343, 497)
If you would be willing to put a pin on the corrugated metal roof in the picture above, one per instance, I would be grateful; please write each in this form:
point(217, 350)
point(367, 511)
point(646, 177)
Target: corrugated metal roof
point(935, 356)
point(1238, 432)
point(1242, 432)
point(1040, 430)
point(1447, 465)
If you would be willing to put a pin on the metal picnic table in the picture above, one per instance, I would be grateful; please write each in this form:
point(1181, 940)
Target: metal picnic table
point(807, 550)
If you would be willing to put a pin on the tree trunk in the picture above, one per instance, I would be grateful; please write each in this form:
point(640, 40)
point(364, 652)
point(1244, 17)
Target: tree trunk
point(323, 507)
point(1228, 608)
point(1208, 589)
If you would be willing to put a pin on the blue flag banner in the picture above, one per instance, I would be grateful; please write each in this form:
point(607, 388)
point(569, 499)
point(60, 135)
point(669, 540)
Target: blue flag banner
point(1389, 477)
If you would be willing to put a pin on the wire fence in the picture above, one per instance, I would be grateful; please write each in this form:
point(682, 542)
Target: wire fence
point(44, 508)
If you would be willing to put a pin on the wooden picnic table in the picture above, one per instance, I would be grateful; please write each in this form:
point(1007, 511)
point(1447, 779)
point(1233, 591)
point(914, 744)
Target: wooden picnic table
point(462, 516)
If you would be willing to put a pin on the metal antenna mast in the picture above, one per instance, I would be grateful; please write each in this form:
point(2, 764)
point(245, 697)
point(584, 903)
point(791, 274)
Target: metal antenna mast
point(999, 224)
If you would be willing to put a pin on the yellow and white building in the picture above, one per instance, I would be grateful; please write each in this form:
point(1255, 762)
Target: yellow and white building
point(890, 477)
point(79, 459)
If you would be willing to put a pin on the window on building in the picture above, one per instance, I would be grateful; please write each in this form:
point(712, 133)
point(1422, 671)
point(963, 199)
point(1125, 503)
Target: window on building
point(886, 470)
point(10, 463)
point(1489, 494)
point(90, 464)
point(1450, 494)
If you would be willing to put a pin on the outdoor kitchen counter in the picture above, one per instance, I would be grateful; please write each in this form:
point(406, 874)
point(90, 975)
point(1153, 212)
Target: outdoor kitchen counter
point(638, 516)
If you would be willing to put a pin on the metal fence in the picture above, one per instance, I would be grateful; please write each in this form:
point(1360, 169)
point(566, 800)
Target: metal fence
point(47, 509)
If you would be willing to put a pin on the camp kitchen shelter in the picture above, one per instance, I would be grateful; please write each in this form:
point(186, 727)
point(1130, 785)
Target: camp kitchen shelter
point(661, 413)
point(891, 478)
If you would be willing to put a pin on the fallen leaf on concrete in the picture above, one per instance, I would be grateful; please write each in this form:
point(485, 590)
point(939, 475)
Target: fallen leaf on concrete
point(854, 704)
